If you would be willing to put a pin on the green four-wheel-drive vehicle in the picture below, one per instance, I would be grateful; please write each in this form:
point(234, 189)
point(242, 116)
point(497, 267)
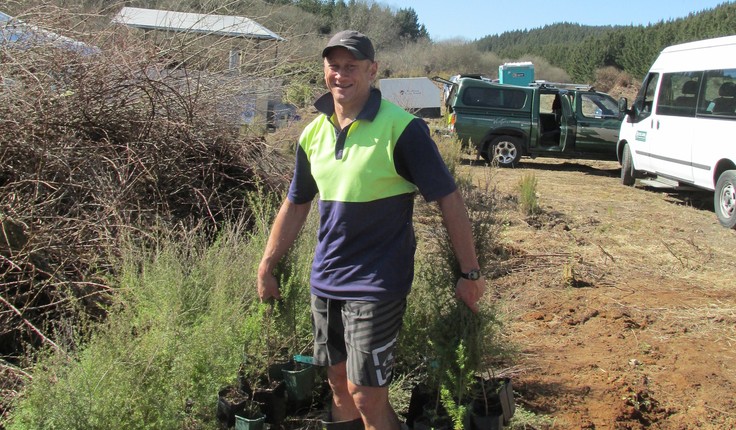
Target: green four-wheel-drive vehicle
point(505, 122)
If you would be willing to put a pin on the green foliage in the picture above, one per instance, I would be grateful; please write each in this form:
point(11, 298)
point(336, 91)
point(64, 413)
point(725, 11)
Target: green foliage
point(455, 408)
point(528, 199)
point(525, 419)
point(441, 336)
point(409, 27)
point(186, 319)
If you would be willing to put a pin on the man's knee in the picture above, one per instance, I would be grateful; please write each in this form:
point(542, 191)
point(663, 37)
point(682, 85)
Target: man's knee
point(337, 376)
point(370, 400)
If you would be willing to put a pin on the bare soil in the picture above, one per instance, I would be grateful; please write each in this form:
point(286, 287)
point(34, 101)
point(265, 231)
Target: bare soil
point(620, 300)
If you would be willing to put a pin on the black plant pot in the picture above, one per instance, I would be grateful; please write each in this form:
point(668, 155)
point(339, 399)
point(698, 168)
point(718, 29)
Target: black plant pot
point(498, 403)
point(356, 424)
point(422, 396)
point(488, 422)
point(273, 402)
point(231, 401)
point(427, 422)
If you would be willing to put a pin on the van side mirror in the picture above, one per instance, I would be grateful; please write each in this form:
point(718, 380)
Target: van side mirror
point(623, 105)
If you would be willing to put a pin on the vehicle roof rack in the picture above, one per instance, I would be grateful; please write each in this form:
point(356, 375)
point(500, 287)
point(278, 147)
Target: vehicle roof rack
point(562, 85)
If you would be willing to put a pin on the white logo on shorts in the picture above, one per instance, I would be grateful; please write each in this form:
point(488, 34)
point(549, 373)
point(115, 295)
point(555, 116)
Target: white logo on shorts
point(384, 362)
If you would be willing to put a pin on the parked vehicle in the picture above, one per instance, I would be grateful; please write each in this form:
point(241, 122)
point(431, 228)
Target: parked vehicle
point(505, 122)
point(680, 128)
point(420, 96)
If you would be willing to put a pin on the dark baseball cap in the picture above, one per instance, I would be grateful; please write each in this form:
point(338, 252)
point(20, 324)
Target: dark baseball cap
point(357, 43)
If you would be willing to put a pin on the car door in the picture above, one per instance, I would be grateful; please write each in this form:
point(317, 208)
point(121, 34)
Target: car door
point(674, 125)
point(598, 124)
point(638, 128)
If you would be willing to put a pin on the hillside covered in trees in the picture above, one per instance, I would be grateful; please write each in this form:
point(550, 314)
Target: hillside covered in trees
point(576, 49)
point(580, 50)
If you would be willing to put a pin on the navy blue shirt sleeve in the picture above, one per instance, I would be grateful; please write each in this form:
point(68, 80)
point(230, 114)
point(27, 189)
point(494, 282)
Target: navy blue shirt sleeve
point(418, 160)
point(303, 188)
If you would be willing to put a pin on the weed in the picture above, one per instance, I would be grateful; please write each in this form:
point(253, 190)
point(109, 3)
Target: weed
point(528, 198)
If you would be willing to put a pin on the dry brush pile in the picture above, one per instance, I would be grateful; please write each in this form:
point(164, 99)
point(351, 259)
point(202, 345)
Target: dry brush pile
point(98, 146)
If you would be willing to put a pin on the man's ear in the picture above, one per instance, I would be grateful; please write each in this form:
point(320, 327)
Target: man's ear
point(374, 70)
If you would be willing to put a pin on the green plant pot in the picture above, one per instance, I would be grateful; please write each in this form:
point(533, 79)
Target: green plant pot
point(255, 423)
point(299, 386)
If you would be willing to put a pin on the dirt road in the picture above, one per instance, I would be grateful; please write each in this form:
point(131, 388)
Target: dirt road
point(621, 301)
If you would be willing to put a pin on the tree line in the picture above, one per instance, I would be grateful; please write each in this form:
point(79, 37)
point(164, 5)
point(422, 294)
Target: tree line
point(581, 50)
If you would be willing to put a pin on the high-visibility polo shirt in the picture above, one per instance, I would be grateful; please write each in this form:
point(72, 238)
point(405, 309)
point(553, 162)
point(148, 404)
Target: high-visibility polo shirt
point(366, 176)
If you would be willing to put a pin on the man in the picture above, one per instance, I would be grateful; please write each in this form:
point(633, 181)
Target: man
point(366, 158)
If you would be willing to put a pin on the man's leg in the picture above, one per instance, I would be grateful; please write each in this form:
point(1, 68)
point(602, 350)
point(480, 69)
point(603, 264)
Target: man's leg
point(371, 333)
point(343, 406)
point(374, 407)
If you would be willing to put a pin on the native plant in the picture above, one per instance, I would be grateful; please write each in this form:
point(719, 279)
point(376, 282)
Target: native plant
point(442, 335)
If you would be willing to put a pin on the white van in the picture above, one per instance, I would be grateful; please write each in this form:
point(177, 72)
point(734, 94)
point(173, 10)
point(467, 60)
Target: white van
point(681, 129)
point(420, 96)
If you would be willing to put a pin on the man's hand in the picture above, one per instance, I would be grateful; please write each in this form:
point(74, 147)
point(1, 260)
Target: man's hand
point(268, 287)
point(470, 292)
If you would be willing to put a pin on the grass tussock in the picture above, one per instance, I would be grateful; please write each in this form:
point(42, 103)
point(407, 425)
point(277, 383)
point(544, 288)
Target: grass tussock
point(528, 197)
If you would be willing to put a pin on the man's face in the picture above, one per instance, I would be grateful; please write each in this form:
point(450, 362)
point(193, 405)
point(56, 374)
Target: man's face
point(349, 80)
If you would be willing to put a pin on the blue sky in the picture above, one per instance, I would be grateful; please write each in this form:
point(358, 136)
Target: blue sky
point(473, 19)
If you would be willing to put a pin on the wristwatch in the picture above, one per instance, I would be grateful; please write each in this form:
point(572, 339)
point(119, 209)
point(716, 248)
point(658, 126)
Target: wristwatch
point(473, 275)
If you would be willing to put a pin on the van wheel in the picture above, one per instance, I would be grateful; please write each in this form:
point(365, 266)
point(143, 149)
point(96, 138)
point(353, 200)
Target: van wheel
point(628, 174)
point(505, 150)
point(724, 199)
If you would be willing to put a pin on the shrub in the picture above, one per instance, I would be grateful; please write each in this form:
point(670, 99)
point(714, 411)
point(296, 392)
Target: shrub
point(444, 343)
point(100, 145)
point(186, 319)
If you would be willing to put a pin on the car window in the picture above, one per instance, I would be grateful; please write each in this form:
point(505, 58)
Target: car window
point(598, 106)
point(494, 97)
point(719, 93)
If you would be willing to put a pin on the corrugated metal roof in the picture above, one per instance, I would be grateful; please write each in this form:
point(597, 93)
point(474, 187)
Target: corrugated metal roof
point(221, 25)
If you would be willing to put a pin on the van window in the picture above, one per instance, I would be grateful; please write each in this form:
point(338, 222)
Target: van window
point(678, 94)
point(719, 93)
point(645, 99)
point(494, 97)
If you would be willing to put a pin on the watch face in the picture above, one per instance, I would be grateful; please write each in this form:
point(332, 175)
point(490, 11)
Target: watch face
point(473, 275)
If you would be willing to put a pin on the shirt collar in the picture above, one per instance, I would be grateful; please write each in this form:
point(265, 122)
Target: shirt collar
point(326, 105)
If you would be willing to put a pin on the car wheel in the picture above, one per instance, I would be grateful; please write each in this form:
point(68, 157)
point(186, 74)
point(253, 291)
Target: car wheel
point(628, 175)
point(505, 150)
point(724, 199)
